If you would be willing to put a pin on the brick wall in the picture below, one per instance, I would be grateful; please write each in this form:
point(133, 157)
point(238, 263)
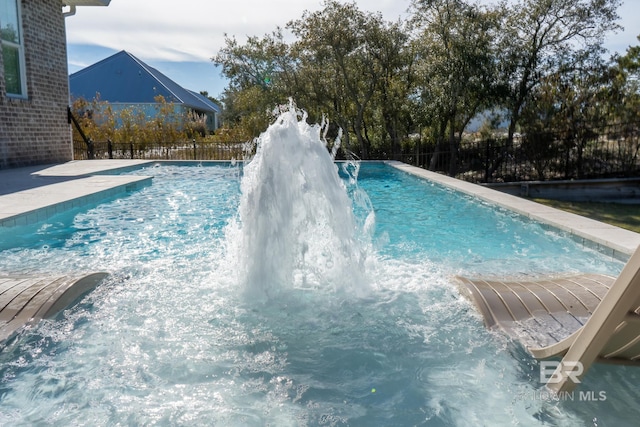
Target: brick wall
point(35, 130)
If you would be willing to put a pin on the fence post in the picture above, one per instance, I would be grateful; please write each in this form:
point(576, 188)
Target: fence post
point(195, 156)
point(131, 149)
point(487, 152)
point(110, 148)
point(90, 149)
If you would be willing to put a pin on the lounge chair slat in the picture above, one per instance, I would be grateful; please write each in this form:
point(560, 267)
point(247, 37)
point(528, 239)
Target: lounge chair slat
point(513, 305)
point(565, 298)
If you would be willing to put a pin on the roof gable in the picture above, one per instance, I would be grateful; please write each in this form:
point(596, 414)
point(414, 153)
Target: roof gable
point(123, 78)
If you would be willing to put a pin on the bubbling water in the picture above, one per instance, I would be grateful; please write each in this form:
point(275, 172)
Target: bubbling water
point(296, 226)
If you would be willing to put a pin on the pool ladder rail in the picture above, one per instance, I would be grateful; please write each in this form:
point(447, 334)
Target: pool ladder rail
point(25, 300)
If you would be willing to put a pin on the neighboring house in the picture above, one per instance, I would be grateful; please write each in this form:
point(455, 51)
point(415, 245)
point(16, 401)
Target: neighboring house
point(34, 88)
point(124, 81)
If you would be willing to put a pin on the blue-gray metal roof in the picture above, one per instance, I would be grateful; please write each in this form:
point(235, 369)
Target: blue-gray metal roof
point(123, 78)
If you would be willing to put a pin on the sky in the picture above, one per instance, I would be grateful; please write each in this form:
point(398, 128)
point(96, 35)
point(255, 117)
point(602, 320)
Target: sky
point(179, 38)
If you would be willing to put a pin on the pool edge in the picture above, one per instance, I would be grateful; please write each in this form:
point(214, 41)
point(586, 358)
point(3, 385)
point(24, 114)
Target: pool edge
point(34, 194)
point(609, 239)
point(31, 206)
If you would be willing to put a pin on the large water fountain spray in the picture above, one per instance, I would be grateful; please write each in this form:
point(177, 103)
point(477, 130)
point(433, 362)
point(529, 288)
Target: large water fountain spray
point(296, 223)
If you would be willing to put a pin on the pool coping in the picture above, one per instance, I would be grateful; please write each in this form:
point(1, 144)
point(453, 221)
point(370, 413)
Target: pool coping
point(609, 239)
point(32, 194)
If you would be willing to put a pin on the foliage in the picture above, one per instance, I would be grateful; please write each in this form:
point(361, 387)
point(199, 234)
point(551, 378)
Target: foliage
point(345, 48)
point(623, 89)
point(397, 86)
point(255, 71)
point(393, 87)
point(456, 66)
point(102, 121)
point(541, 38)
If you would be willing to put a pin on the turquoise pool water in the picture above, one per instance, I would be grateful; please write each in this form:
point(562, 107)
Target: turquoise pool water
point(173, 338)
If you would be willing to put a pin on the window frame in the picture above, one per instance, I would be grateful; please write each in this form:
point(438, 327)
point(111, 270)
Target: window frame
point(21, 58)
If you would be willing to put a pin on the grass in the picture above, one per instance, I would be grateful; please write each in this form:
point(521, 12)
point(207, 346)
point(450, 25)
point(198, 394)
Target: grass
point(622, 215)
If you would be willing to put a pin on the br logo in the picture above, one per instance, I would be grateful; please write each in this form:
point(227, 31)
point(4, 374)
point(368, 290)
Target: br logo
point(552, 372)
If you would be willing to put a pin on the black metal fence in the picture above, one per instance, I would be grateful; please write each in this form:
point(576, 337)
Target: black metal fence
point(189, 150)
point(612, 151)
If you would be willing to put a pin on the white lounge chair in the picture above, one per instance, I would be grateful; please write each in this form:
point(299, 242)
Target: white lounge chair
point(581, 318)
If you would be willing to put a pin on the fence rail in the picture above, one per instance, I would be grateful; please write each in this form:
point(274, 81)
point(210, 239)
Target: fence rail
point(189, 150)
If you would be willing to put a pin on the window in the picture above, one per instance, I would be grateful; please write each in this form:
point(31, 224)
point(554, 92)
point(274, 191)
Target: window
point(12, 48)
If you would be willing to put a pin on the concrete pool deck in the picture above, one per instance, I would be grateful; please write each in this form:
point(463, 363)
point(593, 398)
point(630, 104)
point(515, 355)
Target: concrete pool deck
point(32, 194)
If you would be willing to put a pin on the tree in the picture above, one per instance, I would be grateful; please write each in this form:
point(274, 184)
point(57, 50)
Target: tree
point(456, 68)
point(568, 109)
point(256, 73)
point(623, 105)
point(541, 36)
point(396, 59)
point(624, 90)
point(339, 46)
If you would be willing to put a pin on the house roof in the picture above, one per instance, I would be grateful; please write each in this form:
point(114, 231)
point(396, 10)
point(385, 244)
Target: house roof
point(123, 78)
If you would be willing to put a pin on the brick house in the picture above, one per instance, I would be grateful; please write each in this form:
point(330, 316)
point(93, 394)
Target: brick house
point(34, 85)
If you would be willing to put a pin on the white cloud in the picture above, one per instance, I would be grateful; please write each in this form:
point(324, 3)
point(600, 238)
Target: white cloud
point(193, 30)
point(175, 31)
point(188, 33)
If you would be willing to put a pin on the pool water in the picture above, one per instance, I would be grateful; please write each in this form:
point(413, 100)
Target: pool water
point(172, 337)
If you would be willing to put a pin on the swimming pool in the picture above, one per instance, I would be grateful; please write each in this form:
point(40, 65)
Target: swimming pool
point(177, 335)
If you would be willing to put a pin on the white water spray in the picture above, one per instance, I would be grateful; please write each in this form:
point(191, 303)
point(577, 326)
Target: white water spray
point(296, 224)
